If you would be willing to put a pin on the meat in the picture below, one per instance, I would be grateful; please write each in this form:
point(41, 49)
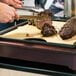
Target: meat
point(69, 29)
point(46, 24)
point(46, 18)
point(48, 30)
point(46, 13)
point(41, 24)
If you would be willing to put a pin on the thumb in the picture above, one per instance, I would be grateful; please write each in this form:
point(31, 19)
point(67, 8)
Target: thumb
point(17, 16)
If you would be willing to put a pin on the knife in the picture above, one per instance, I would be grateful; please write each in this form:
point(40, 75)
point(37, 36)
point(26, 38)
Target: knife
point(32, 9)
point(31, 17)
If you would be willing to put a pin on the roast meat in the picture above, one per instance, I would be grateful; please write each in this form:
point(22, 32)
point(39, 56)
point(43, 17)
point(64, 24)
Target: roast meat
point(48, 30)
point(69, 29)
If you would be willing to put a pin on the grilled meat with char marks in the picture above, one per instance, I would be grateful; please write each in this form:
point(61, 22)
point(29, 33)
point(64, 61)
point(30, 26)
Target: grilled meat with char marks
point(48, 30)
point(69, 29)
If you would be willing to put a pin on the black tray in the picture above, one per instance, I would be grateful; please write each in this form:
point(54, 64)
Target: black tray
point(10, 26)
point(6, 27)
point(44, 72)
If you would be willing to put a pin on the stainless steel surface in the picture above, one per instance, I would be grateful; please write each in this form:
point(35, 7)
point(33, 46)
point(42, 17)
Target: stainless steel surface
point(15, 23)
point(69, 8)
point(74, 7)
point(32, 9)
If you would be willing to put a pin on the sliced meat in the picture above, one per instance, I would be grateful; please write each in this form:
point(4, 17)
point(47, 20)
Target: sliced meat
point(48, 30)
point(69, 29)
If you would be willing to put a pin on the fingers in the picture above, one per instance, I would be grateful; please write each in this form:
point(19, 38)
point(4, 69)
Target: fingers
point(13, 15)
point(7, 13)
point(17, 3)
point(7, 19)
point(16, 16)
point(12, 12)
point(11, 19)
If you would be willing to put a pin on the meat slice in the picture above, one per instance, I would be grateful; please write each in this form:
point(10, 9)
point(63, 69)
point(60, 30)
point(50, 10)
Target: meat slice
point(46, 18)
point(69, 29)
point(48, 30)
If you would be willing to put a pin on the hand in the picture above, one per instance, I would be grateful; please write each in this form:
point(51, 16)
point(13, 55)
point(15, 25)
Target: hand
point(7, 13)
point(14, 3)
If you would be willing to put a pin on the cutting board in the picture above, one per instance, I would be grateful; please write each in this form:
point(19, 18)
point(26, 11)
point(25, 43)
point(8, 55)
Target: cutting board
point(29, 31)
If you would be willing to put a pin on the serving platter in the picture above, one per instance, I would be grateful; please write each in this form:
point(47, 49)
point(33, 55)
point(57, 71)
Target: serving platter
point(25, 42)
point(25, 31)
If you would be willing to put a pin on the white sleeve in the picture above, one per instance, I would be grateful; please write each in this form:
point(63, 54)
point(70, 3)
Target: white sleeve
point(29, 3)
point(48, 4)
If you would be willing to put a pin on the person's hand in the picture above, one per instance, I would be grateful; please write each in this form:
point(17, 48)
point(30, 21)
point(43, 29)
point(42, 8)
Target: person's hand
point(7, 13)
point(14, 3)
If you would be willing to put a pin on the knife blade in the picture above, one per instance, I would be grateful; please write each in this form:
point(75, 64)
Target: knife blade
point(32, 9)
point(33, 17)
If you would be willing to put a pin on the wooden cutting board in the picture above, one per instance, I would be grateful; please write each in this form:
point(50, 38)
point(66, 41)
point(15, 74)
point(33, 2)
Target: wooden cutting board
point(29, 31)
